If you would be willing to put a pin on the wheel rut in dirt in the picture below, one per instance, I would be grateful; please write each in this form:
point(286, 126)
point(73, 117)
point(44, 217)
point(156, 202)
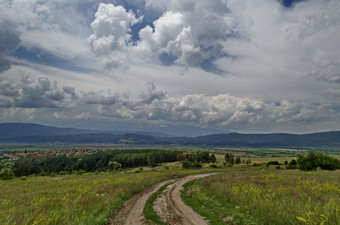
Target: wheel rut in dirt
point(172, 210)
point(169, 206)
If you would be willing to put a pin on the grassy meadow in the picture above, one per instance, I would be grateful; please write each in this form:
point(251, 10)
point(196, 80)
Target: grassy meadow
point(74, 199)
point(267, 197)
point(242, 194)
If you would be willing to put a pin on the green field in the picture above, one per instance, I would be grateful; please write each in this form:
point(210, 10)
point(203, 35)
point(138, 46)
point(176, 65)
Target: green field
point(75, 199)
point(242, 194)
point(267, 197)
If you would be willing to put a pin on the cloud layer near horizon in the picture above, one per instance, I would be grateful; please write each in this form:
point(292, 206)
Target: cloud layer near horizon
point(240, 65)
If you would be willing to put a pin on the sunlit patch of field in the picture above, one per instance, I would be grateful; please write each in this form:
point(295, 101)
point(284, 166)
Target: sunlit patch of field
point(269, 197)
point(74, 199)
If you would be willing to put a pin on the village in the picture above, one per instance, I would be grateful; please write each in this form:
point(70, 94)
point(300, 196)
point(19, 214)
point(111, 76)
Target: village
point(10, 155)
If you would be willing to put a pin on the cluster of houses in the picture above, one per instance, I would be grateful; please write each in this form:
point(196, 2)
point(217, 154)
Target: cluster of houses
point(17, 155)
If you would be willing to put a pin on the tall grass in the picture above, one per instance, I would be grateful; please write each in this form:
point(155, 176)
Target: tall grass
point(271, 197)
point(74, 199)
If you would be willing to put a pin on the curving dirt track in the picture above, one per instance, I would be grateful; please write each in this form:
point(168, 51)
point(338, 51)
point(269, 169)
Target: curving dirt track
point(169, 206)
point(131, 213)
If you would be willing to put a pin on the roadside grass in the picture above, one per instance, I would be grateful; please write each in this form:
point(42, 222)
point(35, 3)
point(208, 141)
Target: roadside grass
point(75, 199)
point(197, 205)
point(149, 213)
point(267, 197)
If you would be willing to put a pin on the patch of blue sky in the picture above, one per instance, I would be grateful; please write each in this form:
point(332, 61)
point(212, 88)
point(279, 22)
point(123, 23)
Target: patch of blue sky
point(138, 7)
point(290, 3)
point(167, 59)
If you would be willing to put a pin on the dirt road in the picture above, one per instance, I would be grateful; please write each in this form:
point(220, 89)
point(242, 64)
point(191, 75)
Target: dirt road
point(169, 206)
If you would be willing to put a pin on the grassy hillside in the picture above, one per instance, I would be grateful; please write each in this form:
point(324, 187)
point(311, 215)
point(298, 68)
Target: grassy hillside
point(268, 197)
point(74, 199)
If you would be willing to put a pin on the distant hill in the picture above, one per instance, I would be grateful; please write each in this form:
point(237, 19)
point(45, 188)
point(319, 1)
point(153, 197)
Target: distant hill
point(89, 138)
point(16, 130)
point(325, 139)
point(33, 133)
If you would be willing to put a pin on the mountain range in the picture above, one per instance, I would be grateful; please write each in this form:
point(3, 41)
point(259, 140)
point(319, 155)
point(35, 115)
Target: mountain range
point(34, 133)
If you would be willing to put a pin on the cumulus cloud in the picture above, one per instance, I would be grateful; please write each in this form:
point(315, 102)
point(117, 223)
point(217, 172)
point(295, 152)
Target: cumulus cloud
point(224, 110)
point(190, 31)
point(102, 98)
point(152, 94)
point(111, 32)
point(34, 93)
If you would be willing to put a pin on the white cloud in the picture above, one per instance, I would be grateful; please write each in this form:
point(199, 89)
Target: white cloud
point(111, 33)
point(58, 43)
point(268, 53)
point(224, 111)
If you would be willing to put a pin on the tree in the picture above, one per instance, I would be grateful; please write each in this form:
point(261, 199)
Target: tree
point(212, 158)
point(113, 165)
point(180, 157)
point(238, 160)
point(229, 157)
point(313, 160)
point(292, 164)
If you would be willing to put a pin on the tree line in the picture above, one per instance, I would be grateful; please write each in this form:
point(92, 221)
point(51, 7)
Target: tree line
point(90, 163)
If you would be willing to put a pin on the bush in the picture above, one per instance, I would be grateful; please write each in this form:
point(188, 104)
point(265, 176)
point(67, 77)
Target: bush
point(6, 175)
point(329, 164)
point(186, 164)
point(313, 160)
point(273, 163)
point(292, 165)
point(213, 166)
point(62, 173)
point(23, 178)
point(197, 165)
point(80, 172)
point(113, 165)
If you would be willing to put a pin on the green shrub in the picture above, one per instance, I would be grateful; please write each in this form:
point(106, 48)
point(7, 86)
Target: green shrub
point(292, 165)
point(113, 165)
point(80, 172)
point(6, 175)
point(186, 164)
point(197, 165)
point(23, 178)
point(313, 160)
point(273, 163)
point(62, 173)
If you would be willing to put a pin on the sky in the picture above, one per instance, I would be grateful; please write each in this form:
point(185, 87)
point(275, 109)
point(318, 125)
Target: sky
point(185, 67)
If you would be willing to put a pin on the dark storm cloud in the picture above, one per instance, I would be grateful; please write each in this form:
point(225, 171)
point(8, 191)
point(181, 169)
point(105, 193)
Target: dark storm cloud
point(33, 93)
point(9, 41)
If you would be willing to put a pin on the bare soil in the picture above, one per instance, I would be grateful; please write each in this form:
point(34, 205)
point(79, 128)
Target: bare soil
point(172, 210)
point(169, 206)
point(131, 213)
